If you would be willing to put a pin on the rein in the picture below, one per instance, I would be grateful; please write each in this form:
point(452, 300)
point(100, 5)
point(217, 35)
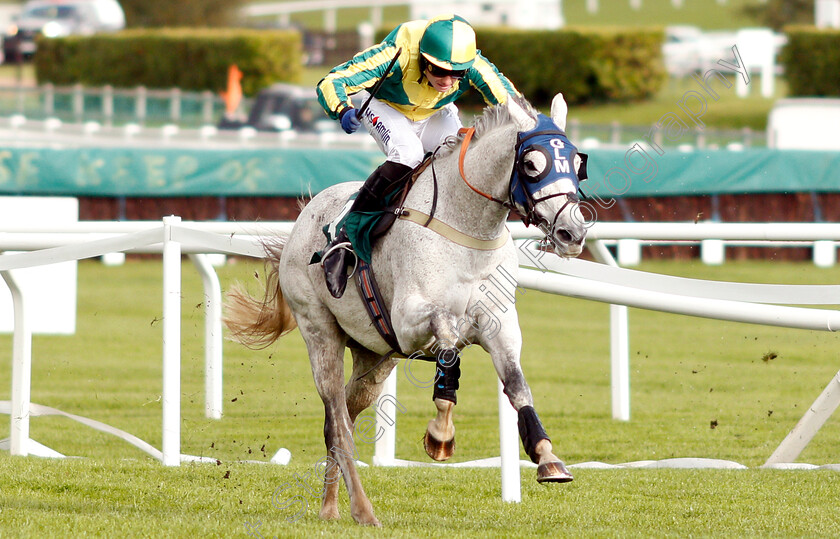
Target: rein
point(468, 134)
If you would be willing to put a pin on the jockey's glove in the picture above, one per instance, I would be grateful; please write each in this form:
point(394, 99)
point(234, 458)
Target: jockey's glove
point(349, 119)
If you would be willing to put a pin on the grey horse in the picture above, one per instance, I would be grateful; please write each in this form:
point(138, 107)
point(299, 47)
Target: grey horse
point(432, 279)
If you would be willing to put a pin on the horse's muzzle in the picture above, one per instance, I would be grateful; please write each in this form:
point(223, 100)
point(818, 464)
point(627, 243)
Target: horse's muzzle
point(569, 231)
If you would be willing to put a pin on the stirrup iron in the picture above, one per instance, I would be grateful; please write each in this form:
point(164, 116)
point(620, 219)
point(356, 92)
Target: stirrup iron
point(347, 246)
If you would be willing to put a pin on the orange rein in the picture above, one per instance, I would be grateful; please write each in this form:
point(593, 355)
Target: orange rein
point(468, 134)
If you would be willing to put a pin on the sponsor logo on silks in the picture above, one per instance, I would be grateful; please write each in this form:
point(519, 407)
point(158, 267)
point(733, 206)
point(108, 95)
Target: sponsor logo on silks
point(379, 127)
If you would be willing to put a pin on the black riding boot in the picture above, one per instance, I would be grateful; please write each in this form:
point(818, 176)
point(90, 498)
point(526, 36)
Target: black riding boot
point(370, 198)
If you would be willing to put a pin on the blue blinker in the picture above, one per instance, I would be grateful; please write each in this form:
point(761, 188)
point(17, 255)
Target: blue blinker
point(544, 155)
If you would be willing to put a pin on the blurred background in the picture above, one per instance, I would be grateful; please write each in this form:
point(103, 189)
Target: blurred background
point(679, 80)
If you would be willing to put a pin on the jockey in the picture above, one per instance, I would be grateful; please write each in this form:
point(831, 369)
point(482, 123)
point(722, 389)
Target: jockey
point(412, 112)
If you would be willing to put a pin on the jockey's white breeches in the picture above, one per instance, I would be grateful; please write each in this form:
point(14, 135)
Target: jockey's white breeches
point(402, 140)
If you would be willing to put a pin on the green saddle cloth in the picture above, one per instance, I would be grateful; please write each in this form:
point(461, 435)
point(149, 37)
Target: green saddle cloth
point(359, 227)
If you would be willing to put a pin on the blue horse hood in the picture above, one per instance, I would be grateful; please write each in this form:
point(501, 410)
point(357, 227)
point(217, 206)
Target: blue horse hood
point(559, 162)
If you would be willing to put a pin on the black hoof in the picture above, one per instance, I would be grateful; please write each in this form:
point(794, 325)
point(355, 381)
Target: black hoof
point(437, 449)
point(553, 472)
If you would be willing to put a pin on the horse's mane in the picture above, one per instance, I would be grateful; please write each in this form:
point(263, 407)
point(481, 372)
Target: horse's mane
point(493, 117)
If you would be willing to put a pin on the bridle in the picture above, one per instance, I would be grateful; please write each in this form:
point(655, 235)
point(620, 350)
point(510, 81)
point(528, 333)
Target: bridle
point(529, 216)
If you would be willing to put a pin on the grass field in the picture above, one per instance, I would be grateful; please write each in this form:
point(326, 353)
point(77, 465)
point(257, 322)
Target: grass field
point(707, 14)
point(686, 374)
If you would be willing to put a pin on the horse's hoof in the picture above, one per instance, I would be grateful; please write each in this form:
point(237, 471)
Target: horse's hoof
point(553, 472)
point(329, 514)
point(437, 449)
point(367, 520)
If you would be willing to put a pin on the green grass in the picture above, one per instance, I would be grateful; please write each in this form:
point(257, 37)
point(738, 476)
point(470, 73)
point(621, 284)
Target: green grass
point(685, 373)
point(707, 14)
point(145, 500)
point(728, 112)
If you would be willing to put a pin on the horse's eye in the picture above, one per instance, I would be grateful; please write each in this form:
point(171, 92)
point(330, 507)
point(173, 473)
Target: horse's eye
point(534, 163)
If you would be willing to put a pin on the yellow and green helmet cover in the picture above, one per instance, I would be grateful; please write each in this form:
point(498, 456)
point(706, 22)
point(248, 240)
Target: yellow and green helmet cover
point(449, 42)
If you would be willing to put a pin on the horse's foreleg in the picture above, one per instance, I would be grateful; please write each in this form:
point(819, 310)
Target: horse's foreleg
point(439, 440)
point(538, 446)
point(535, 440)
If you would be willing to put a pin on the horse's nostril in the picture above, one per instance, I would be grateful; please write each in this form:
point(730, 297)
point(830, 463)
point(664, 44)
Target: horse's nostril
point(564, 236)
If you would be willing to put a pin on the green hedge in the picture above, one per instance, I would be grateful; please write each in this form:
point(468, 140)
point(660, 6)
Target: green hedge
point(586, 65)
point(811, 60)
point(190, 59)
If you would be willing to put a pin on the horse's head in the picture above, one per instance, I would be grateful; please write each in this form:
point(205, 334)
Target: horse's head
point(546, 174)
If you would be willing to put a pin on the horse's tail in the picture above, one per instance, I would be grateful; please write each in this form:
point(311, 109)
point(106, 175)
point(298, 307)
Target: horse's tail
point(257, 323)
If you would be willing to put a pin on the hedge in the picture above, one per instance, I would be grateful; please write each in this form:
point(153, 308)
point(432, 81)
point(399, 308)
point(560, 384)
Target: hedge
point(586, 65)
point(811, 61)
point(189, 59)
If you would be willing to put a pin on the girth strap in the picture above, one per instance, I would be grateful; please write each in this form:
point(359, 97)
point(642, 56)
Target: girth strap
point(375, 306)
point(378, 313)
point(455, 236)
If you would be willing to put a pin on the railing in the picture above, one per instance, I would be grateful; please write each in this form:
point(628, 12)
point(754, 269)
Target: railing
point(617, 134)
point(112, 106)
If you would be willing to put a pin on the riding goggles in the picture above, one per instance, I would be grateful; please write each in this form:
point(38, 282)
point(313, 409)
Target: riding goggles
point(438, 71)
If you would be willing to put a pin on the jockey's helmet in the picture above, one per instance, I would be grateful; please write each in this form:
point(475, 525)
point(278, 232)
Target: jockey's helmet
point(449, 42)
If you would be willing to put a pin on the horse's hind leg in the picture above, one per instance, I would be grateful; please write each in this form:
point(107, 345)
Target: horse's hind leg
point(361, 390)
point(325, 344)
point(365, 384)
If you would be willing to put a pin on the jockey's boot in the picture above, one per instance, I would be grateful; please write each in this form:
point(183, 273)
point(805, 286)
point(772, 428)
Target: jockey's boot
point(370, 198)
point(335, 264)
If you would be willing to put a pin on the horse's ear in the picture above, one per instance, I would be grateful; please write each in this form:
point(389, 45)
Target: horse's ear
point(559, 109)
point(523, 120)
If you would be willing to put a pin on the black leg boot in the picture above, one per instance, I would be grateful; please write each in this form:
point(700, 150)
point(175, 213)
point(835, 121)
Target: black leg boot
point(372, 193)
point(369, 199)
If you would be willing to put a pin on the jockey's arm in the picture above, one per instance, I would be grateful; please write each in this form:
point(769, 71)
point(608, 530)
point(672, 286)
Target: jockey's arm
point(490, 82)
point(360, 72)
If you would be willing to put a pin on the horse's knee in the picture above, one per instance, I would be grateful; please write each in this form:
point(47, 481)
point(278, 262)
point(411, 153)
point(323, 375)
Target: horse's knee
point(447, 351)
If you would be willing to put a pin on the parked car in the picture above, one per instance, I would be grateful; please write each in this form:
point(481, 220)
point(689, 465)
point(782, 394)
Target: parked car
point(284, 107)
point(59, 18)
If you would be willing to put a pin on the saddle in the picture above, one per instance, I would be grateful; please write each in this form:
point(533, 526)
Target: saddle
point(362, 229)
